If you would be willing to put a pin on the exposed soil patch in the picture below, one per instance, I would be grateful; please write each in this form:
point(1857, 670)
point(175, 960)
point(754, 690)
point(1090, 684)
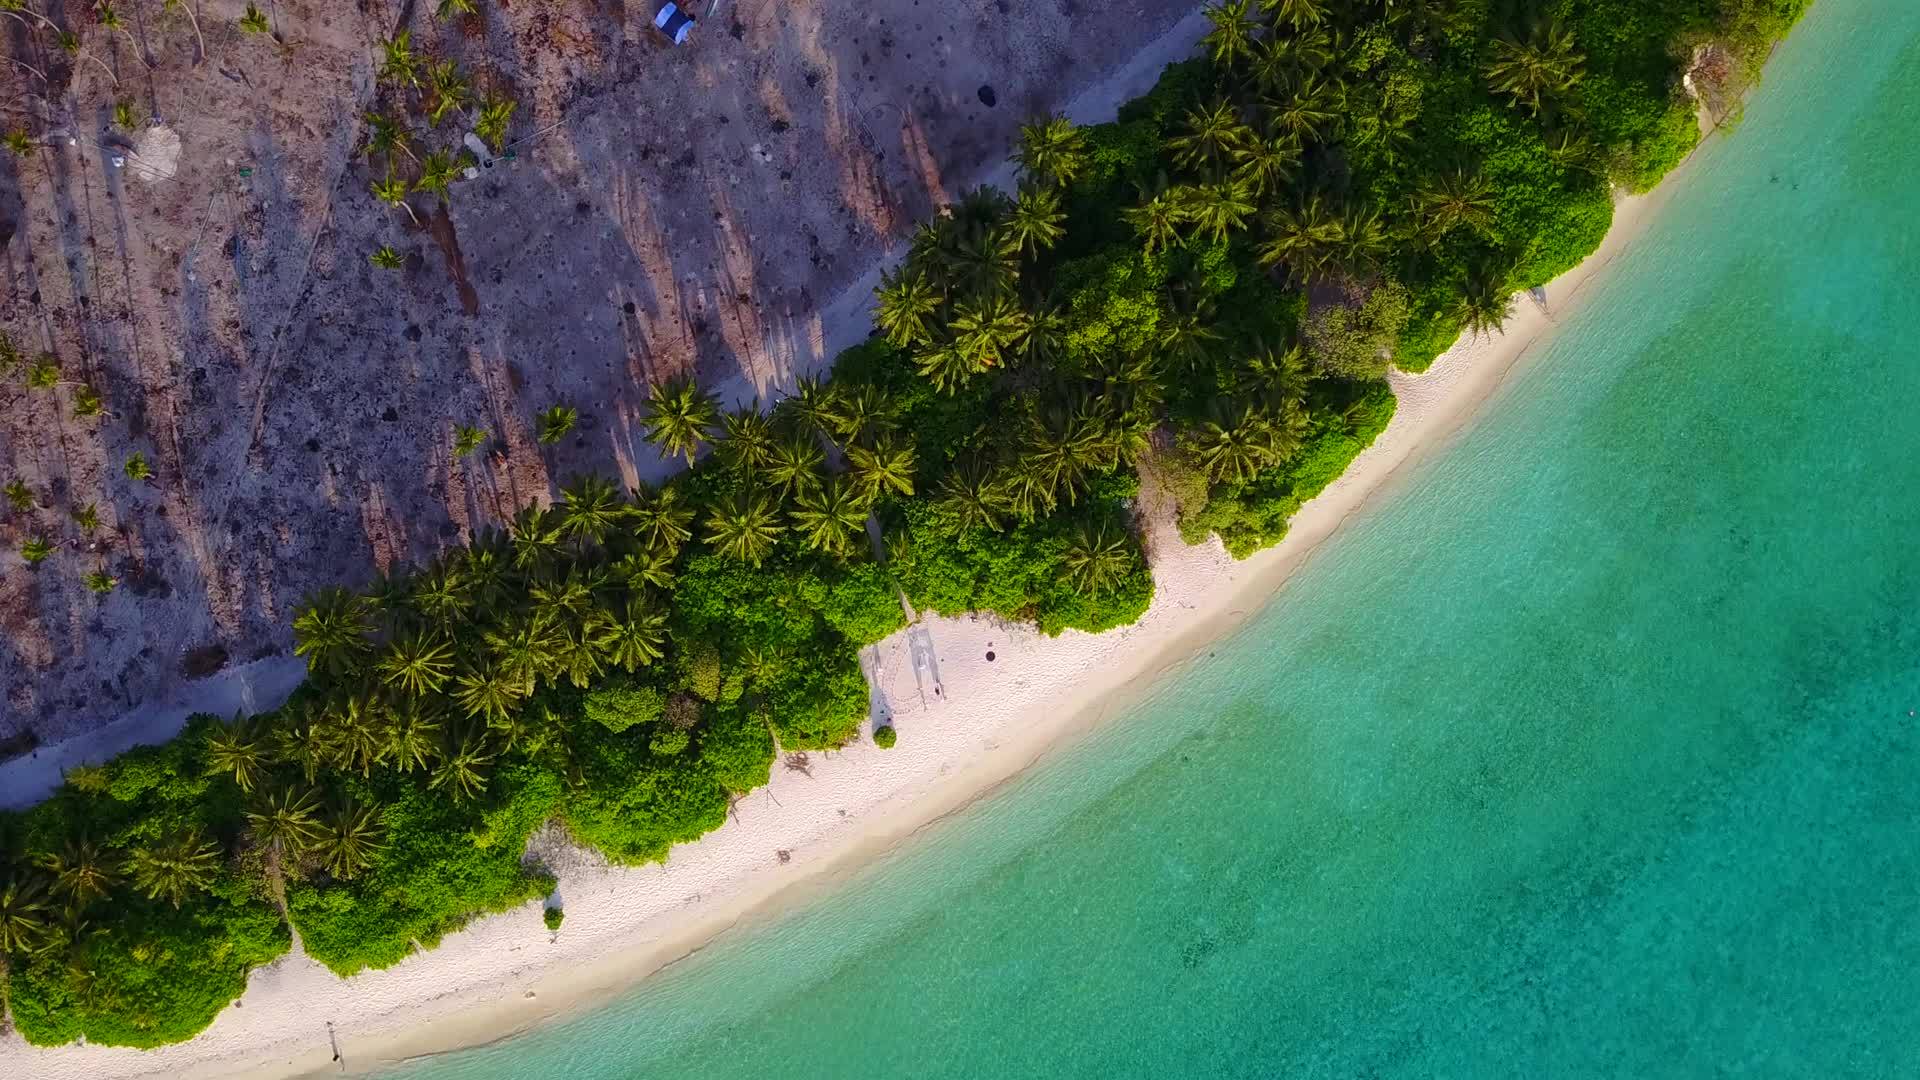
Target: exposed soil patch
point(441, 227)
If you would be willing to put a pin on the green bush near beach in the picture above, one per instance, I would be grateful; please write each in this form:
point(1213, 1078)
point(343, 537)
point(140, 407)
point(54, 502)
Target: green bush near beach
point(1207, 292)
point(139, 912)
point(553, 917)
point(885, 737)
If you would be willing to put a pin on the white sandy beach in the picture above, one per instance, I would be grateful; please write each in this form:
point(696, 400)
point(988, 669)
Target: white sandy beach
point(991, 720)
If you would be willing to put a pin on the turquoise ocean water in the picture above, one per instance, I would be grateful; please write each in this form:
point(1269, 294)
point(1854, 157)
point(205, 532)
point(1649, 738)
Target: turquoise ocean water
point(1590, 752)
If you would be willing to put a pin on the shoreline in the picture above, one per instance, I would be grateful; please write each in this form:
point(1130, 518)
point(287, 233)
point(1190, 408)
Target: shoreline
point(995, 720)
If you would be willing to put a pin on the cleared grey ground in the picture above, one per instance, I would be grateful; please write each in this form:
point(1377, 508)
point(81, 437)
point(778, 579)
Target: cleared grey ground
point(691, 209)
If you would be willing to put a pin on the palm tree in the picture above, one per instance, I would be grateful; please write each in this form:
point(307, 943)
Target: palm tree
point(483, 569)
point(985, 327)
point(330, 631)
point(1533, 72)
point(496, 113)
point(1027, 488)
point(1453, 200)
point(19, 10)
point(467, 439)
point(947, 367)
point(527, 646)
point(284, 822)
point(582, 645)
point(354, 733)
point(886, 466)
point(438, 171)
point(412, 735)
point(1052, 151)
point(535, 536)
point(746, 438)
point(1234, 448)
point(1188, 331)
point(1264, 165)
point(488, 691)
point(639, 569)
point(398, 64)
point(1571, 149)
point(393, 191)
point(970, 498)
point(1097, 560)
point(744, 526)
point(1272, 63)
point(526, 729)
point(1277, 378)
point(981, 255)
point(108, 18)
point(451, 90)
point(679, 416)
point(442, 595)
point(831, 517)
point(463, 762)
point(301, 742)
point(568, 597)
point(1307, 111)
point(907, 299)
point(82, 872)
point(1299, 14)
point(590, 507)
point(1154, 221)
point(1286, 431)
point(1305, 238)
point(1363, 239)
point(1057, 450)
point(351, 836)
point(556, 422)
point(23, 914)
point(1037, 221)
point(816, 404)
point(865, 413)
point(794, 464)
point(1218, 209)
point(1232, 36)
point(1485, 301)
point(171, 869)
point(637, 635)
point(389, 597)
point(1208, 136)
point(1045, 339)
point(239, 749)
point(386, 135)
point(661, 520)
point(417, 664)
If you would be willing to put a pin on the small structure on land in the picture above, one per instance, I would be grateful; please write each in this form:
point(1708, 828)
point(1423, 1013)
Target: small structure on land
point(674, 22)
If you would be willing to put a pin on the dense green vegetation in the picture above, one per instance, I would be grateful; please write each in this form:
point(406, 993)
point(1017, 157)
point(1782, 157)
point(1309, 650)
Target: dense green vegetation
point(1206, 293)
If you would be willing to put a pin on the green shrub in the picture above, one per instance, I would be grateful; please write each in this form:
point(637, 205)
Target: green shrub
point(669, 742)
point(553, 917)
point(884, 737)
point(618, 704)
